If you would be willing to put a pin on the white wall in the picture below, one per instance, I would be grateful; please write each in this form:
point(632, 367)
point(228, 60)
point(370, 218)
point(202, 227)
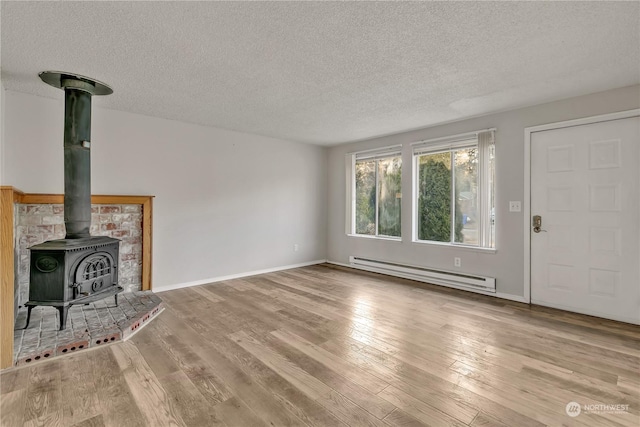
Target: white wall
point(506, 264)
point(226, 202)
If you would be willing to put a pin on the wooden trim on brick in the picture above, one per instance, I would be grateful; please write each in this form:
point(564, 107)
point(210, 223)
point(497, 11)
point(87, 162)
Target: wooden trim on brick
point(44, 199)
point(147, 210)
point(8, 197)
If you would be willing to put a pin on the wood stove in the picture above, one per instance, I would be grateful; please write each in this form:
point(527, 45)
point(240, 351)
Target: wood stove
point(80, 268)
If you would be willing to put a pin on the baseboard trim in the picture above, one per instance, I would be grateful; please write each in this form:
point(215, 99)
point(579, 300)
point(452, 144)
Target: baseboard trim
point(501, 295)
point(588, 312)
point(236, 276)
point(516, 298)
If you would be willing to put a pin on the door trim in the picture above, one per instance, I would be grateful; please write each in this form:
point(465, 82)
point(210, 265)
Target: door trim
point(527, 177)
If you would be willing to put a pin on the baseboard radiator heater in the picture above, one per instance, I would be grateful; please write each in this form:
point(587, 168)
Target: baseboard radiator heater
point(436, 277)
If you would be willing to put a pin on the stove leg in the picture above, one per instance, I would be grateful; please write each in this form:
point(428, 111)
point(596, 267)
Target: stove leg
point(29, 308)
point(63, 316)
point(116, 297)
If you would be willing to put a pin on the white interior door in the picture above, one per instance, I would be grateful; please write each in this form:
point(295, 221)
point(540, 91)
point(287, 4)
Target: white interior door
point(585, 186)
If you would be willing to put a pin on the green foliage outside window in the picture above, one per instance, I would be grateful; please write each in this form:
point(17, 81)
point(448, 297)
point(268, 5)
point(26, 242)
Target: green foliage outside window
point(389, 196)
point(366, 197)
point(434, 199)
point(379, 178)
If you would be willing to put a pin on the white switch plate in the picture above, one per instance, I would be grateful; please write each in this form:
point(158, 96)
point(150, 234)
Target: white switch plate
point(515, 206)
point(457, 262)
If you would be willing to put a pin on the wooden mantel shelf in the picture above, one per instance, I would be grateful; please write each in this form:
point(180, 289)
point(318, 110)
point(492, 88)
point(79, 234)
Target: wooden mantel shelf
point(8, 197)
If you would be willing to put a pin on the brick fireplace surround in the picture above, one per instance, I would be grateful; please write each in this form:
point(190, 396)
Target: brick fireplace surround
point(38, 223)
point(29, 219)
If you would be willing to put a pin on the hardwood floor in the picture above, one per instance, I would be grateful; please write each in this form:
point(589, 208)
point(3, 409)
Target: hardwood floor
point(327, 346)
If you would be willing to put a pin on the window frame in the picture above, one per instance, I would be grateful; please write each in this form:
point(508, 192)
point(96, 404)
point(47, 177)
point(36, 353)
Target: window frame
point(486, 189)
point(351, 159)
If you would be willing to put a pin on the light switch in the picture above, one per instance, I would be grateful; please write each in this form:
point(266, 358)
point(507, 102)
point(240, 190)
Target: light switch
point(515, 206)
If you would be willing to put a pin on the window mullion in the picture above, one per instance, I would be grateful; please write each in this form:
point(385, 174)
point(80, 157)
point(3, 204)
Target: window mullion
point(351, 191)
point(453, 197)
point(415, 215)
point(482, 190)
point(377, 198)
point(486, 198)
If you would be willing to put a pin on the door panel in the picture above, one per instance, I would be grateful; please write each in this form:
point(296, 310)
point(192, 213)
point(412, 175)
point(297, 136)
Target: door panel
point(585, 185)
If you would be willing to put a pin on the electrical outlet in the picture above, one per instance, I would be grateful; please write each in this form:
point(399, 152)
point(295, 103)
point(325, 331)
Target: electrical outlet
point(296, 247)
point(515, 206)
point(457, 262)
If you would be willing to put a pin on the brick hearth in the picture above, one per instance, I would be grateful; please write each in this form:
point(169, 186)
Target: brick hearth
point(88, 326)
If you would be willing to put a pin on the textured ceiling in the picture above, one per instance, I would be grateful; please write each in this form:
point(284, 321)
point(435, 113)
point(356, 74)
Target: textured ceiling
point(323, 72)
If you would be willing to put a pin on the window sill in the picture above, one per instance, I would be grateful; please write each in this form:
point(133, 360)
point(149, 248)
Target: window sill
point(366, 236)
point(453, 246)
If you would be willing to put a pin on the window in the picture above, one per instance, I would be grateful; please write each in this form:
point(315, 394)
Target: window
point(376, 193)
point(454, 190)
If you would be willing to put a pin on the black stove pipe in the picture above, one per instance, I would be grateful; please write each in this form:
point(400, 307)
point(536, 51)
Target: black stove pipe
point(78, 91)
point(77, 163)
